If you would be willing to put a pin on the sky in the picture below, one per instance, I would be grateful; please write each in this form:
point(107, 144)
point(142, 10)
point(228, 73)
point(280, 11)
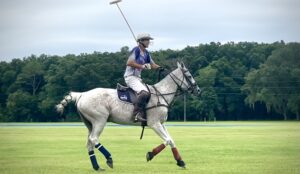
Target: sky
point(60, 27)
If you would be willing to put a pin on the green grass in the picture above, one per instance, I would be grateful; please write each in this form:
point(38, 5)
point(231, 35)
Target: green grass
point(222, 147)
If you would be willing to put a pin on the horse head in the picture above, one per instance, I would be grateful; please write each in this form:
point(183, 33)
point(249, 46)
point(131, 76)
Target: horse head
point(188, 82)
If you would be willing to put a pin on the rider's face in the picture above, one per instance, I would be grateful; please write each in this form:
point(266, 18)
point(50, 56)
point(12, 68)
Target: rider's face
point(146, 42)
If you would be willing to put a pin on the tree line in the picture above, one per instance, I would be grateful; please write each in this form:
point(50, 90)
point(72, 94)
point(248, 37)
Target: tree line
point(240, 81)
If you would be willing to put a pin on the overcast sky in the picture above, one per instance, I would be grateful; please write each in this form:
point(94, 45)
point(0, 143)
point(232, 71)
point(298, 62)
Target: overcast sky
point(59, 27)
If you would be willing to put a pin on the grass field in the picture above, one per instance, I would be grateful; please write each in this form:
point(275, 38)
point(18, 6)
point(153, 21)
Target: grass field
point(222, 147)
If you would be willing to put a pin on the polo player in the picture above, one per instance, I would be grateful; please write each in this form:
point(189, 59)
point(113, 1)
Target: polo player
point(139, 59)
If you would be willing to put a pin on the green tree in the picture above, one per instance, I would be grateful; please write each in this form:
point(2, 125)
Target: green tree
point(31, 77)
point(207, 104)
point(21, 106)
point(268, 75)
point(276, 82)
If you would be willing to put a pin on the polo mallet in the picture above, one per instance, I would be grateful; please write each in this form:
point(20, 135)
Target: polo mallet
point(116, 2)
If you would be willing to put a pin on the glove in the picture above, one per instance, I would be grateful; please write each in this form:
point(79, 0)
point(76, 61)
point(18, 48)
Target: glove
point(147, 66)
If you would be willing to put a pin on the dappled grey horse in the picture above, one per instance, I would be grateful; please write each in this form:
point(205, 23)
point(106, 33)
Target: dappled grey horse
point(98, 106)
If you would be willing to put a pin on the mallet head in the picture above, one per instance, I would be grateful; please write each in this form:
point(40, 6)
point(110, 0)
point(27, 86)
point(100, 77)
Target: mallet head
point(115, 2)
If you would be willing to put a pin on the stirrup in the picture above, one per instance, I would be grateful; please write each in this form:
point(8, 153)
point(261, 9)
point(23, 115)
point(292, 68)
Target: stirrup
point(138, 118)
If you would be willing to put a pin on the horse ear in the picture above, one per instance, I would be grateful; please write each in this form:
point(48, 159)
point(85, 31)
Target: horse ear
point(182, 64)
point(178, 65)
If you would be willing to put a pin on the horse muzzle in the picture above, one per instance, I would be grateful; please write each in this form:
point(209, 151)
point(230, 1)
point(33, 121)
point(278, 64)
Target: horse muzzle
point(198, 91)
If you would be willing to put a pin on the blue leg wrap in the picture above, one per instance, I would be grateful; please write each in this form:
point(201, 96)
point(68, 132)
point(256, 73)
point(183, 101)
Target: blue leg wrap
point(103, 151)
point(93, 160)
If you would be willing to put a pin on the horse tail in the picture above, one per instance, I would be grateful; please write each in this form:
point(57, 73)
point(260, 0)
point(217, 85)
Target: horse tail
point(71, 97)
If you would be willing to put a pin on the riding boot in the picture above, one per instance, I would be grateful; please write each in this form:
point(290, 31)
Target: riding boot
point(139, 106)
point(140, 116)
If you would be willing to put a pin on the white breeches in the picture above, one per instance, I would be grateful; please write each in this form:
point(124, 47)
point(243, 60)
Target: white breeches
point(135, 83)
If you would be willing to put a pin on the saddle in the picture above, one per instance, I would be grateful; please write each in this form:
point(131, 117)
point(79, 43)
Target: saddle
point(126, 94)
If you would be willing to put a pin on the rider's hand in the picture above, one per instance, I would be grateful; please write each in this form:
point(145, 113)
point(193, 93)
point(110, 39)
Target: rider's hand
point(147, 66)
point(161, 68)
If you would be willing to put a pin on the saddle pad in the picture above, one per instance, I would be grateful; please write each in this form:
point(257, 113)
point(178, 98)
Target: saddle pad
point(126, 96)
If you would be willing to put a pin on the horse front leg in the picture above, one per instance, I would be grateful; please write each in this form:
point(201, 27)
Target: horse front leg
point(161, 131)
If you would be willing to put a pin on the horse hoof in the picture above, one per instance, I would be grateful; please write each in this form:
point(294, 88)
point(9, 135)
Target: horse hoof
point(181, 164)
point(149, 156)
point(109, 162)
point(101, 170)
point(96, 168)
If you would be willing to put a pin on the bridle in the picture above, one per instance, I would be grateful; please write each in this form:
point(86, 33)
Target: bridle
point(189, 86)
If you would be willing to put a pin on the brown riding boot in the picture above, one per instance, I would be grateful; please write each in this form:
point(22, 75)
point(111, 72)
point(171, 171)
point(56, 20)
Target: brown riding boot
point(139, 107)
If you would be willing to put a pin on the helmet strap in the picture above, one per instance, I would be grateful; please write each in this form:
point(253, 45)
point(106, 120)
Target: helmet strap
point(142, 44)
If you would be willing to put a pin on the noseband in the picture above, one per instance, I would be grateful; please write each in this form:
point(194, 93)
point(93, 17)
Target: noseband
point(190, 86)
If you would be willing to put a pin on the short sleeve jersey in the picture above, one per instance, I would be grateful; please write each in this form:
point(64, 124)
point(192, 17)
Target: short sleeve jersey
point(136, 55)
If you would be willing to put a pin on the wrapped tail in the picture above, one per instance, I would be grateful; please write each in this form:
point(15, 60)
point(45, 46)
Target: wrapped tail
point(71, 97)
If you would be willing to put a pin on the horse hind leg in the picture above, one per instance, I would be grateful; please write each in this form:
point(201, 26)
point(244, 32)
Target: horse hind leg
point(89, 126)
point(89, 143)
point(94, 139)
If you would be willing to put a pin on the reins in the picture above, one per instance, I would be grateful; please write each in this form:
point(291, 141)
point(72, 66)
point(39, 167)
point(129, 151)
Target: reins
point(158, 94)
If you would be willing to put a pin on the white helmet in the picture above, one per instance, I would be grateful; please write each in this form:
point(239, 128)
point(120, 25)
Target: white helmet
point(143, 36)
